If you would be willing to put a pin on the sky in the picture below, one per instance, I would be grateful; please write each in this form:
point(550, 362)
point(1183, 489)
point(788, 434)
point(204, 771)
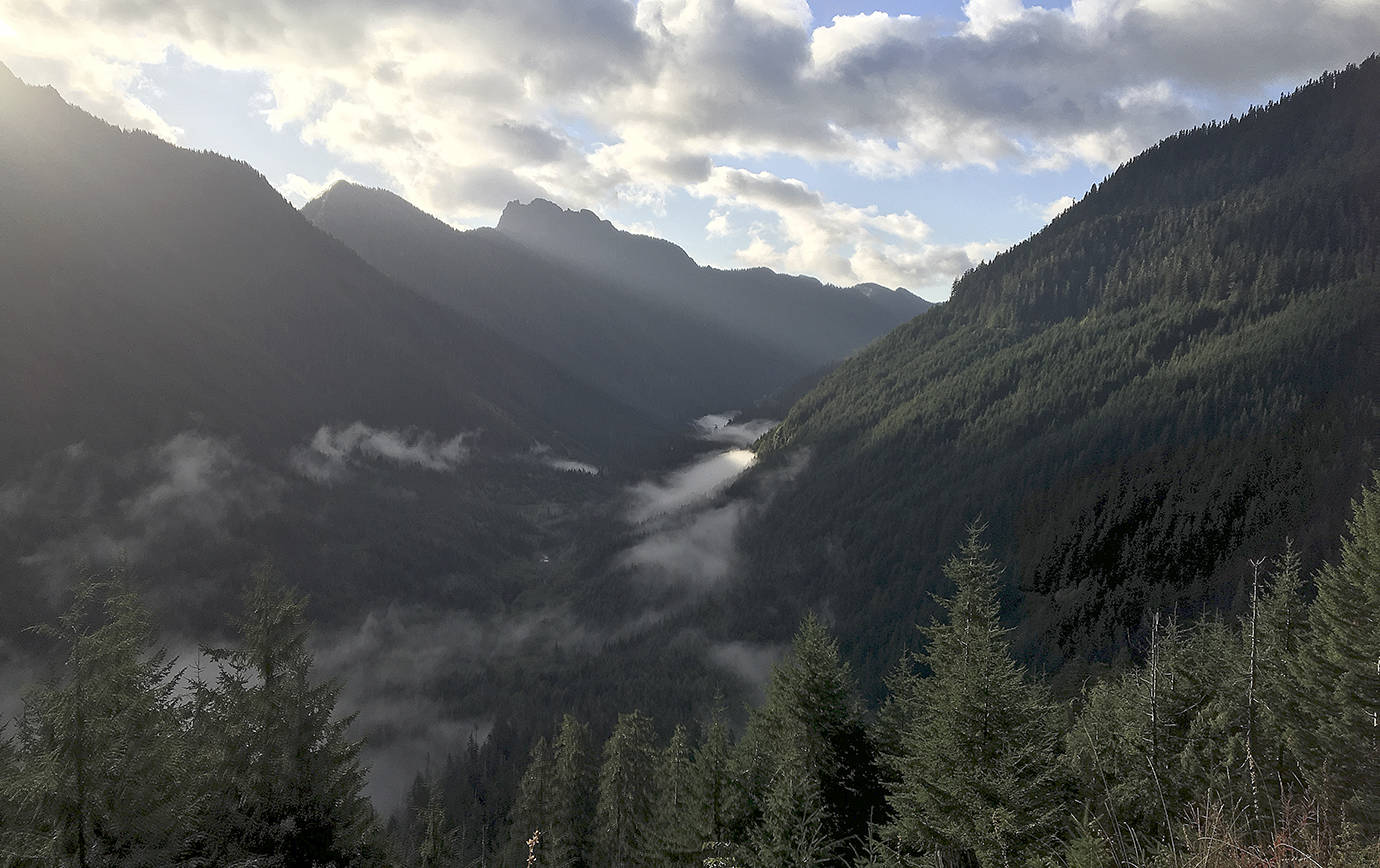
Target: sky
point(893, 142)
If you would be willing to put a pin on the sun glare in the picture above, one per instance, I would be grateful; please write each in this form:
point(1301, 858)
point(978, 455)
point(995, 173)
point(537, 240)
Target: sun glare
point(5, 29)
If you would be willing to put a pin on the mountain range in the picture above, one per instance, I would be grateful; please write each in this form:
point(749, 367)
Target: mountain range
point(632, 314)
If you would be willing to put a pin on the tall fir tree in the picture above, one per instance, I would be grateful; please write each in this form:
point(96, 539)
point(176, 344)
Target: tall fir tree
point(978, 775)
point(532, 810)
point(678, 827)
point(808, 757)
point(1337, 729)
point(101, 772)
point(287, 780)
point(568, 841)
point(716, 791)
point(623, 813)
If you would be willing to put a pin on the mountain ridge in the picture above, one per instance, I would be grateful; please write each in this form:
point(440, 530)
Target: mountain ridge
point(1190, 373)
point(655, 342)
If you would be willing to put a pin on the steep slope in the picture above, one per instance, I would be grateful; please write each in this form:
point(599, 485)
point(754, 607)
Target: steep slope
point(1176, 374)
point(654, 356)
point(798, 316)
point(194, 378)
point(149, 288)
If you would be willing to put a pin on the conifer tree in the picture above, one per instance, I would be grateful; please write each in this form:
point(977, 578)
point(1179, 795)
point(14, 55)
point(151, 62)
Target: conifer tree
point(437, 846)
point(808, 757)
point(623, 813)
point(572, 797)
point(287, 780)
point(1283, 624)
point(715, 790)
point(532, 811)
point(678, 827)
point(1337, 731)
point(977, 776)
point(101, 771)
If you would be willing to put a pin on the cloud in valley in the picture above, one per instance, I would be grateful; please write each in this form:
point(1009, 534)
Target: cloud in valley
point(688, 528)
point(96, 511)
point(400, 662)
point(724, 428)
point(689, 486)
point(333, 450)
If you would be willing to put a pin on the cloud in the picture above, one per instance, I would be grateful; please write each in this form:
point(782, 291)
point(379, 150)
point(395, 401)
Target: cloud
point(333, 450)
point(722, 428)
point(1055, 208)
point(689, 529)
point(543, 453)
point(697, 550)
point(598, 103)
point(401, 662)
point(687, 487)
point(93, 511)
point(750, 661)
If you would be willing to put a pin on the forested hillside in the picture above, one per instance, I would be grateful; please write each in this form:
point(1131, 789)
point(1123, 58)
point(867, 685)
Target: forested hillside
point(195, 378)
point(1234, 744)
point(1176, 372)
point(152, 288)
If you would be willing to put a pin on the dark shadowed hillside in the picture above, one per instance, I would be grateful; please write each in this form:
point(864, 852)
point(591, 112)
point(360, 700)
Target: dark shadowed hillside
point(150, 288)
point(646, 352)
point(632, 315)
point(195, 378)
point(799, 316)
point(1176, 374)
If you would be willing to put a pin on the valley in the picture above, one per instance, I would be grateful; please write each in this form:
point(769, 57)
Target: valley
point(335, 534)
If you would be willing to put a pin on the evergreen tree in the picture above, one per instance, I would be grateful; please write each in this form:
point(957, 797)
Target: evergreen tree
point(808, 758)
point(572, 797)
point(437, 846)
point(678, 826)
point(978, 774)
point(101, 773)
point(1283, 625)
point(626, 792)
point(716, 792)
point(532, 812)
point(288, 784)
point(1337, 732)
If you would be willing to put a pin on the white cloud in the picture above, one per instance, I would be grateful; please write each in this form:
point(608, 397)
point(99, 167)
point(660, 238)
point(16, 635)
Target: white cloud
point(1055, 208)
point(333, 450)
point(299, 190)
point(598, 103)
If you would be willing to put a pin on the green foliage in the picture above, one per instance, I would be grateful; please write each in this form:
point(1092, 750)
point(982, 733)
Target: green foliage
point(101, 771)
point(807, 758)
point(567, 840)
point(532, 812)
point(1175, 373)
point(678, 829)
point(977, 772)
point(286, 779)
point(623, 812)
point(122, 760)
point(1338, 672)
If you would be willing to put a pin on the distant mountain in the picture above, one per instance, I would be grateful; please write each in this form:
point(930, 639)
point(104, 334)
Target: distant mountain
point(194, 375)
point(646, 353)
point(148, 288)
point(800, 316)
point(1179, 372)
point(647, 337)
